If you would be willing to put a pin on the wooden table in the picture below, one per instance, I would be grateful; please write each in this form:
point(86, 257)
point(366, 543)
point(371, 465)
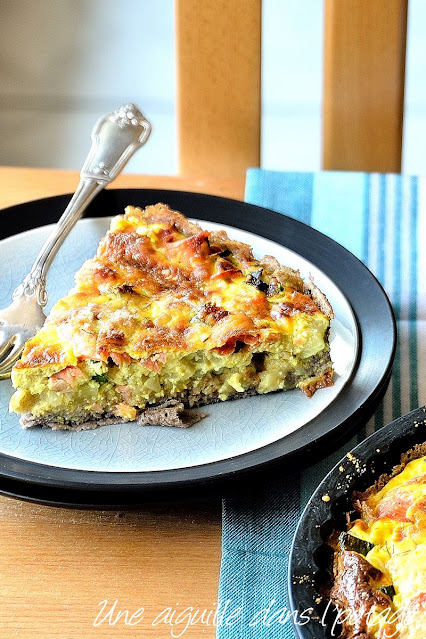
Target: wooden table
point(57, 565)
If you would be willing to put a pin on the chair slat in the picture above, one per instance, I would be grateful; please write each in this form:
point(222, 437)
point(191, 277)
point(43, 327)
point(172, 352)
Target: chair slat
point(218, 92)
point(364, 84)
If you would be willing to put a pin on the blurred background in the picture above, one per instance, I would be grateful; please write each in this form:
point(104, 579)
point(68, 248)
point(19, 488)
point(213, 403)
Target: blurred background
point(63, 63)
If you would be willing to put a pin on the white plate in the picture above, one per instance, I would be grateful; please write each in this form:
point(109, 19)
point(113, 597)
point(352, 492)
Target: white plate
point(230, 429)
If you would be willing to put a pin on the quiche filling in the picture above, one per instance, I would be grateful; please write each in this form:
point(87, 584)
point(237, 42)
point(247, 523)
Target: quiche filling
point(168, 311)
point(380, 564)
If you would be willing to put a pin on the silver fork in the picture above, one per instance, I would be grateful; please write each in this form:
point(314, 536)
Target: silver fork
point(115, 137)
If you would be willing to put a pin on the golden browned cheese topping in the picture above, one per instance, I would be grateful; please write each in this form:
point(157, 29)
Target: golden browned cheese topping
point(159, 283)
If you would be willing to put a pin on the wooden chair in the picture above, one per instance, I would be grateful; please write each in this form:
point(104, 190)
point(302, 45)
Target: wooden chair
point(219, 83)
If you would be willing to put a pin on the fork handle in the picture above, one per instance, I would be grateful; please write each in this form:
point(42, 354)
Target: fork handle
point(115, 138)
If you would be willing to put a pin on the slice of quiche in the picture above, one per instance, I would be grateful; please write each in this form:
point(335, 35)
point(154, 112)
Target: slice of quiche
point(166, 317)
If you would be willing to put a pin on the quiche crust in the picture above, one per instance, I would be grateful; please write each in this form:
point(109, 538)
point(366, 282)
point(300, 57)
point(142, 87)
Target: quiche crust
point(168, 311)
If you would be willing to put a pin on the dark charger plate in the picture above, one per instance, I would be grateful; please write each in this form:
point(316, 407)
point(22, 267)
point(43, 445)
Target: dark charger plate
point(310, 555)
point(351, 409)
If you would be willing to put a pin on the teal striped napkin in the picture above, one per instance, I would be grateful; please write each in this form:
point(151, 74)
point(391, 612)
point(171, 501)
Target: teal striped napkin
point(381, 218)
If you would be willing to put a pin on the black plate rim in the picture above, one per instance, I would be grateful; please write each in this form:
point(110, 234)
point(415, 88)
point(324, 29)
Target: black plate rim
point(357, 283)
point(391, 437)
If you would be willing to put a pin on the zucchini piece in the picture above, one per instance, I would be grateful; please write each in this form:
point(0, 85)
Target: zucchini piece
point(254, 279)
point(349, 542)
point(100, 379)
point(388, 590)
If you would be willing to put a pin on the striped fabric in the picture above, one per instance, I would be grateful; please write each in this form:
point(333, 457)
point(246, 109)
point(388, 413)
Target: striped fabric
point(382, 220)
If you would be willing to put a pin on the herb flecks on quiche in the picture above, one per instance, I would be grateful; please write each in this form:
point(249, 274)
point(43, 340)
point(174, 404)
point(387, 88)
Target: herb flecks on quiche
point(380, 563)
point(168, 316)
